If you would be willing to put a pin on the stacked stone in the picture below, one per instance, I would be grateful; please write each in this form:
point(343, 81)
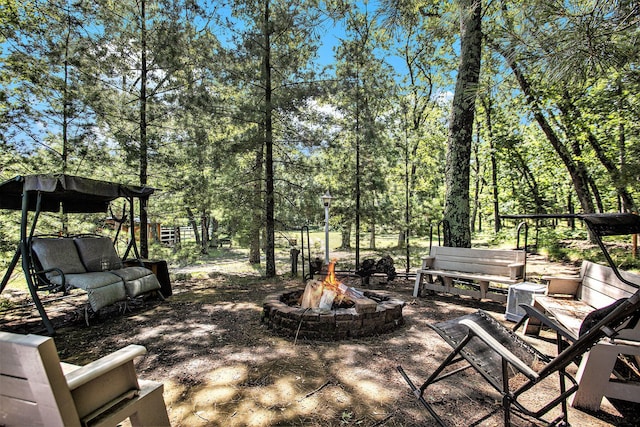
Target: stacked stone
point(362, 320)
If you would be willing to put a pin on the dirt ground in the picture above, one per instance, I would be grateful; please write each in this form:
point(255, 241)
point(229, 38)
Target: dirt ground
point(222, 367)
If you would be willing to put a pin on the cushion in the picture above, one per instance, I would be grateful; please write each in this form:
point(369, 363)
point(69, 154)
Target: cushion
point(97, 253)
point(138, 280)
point(88, 281)
point(103, 288)
point(57, 253)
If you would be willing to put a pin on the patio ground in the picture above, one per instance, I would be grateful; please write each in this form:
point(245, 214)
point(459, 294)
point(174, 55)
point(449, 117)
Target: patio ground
point(222, 367)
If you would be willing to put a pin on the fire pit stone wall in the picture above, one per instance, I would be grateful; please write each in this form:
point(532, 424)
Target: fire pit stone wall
point(283, 315)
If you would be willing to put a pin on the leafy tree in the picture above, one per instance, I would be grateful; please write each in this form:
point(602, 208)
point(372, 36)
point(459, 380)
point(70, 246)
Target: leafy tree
point(139, 55)
point(363, 87)
point(278, 38)
point(424, 40)
point(43, 99)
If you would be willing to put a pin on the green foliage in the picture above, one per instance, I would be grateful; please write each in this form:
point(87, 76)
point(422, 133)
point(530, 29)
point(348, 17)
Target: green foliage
point(71, 96)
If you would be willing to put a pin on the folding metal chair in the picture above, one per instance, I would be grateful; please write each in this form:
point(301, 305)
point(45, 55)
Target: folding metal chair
point(481, 342)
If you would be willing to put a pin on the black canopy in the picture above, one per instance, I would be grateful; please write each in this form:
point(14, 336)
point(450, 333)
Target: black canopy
point(73, 193)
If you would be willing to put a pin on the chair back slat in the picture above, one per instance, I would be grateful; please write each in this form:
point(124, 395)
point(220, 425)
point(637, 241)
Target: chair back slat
point(34, 390)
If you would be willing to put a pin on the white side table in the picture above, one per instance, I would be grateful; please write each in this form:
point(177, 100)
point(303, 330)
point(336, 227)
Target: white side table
point(521, 293)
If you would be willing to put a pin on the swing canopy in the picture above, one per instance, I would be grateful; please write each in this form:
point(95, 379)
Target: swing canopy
point(71, 193)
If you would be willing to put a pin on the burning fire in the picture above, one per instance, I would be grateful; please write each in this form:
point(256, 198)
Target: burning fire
point(324, 294)
point(331, 282)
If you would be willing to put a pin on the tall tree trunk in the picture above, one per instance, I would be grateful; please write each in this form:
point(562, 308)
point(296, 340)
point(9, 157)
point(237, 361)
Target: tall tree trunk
point(270, 268)
point(66, 102)
point(456, 207)
point(345, 237)
point(372, 237)
point(256, 210)
point(144, 247)
point(357, 171)
point(477, 182)
point(204, 226)
point(194, 225)
point(488, 113)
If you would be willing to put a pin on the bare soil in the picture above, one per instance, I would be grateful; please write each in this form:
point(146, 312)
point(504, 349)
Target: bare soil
point(222, 367)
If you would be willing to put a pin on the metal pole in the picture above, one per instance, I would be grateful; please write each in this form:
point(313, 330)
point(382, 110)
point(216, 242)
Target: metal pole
point(326, 234)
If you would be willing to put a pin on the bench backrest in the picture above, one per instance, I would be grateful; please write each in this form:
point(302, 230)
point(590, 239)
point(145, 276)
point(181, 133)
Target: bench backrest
point(57, 253)
point(600, 287)
point(34, 389)
point(75, 255)
point(472, 260)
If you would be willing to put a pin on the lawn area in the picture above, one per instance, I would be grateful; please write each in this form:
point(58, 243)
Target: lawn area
point(222, 367)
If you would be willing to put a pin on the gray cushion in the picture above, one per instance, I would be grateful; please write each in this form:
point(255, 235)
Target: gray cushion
point(98, 253)
point(88, 281)
point(138, 280)
point(57, 253)
point(103, 288)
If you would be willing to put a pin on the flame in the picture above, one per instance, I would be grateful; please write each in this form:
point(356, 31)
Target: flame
point(330, 281)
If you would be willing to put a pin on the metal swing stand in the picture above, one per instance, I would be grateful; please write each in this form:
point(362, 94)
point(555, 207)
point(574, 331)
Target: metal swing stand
point(53, 193)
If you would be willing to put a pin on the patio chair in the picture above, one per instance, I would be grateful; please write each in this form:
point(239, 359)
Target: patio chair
point(499, 355)
point(38, 390)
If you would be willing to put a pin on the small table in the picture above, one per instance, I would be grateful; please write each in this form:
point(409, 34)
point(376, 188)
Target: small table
point(521, 293)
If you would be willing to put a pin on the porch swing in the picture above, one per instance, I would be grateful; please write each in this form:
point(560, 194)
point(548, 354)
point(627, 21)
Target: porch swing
point(58, 264)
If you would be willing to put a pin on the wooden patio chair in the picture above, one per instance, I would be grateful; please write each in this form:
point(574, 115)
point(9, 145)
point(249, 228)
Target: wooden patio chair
point(38, 390)
point(499, 355)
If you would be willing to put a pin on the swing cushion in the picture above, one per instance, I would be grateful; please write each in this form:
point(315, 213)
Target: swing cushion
point(103, 287)
point(92, 264)
point(60, 254)
point(137, 280)
point(97, 253)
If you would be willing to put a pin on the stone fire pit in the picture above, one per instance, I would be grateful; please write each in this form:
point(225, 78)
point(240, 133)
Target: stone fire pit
point(283, 314)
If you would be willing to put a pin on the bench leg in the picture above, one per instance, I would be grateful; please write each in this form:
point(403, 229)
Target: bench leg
point(594, 374)
point(416, 288)
point(145, 410)
point(448, 284)
point(484, 288)
point(533, 326)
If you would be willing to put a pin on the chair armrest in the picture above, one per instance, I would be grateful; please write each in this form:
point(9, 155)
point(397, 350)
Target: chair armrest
point(562, 285)
point(516, 270)
point(427, 262)
point(499, 348)
point(49, 285)
point(97, 368)
point(533, 312)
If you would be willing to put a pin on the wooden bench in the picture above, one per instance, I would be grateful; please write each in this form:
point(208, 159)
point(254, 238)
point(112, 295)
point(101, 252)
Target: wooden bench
point(569, 300)
point(224, 241)
point(38, 390)
point(483, 266)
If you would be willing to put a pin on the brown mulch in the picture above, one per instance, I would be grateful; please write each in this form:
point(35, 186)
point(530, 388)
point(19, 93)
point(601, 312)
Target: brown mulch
point(222, 367)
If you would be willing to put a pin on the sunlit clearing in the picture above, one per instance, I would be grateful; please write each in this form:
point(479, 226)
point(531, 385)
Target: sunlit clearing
point(282, 392)
point(207, 396)
point(227, 375)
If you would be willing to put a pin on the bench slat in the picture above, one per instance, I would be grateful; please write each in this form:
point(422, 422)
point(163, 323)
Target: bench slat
point(471, 276)
point(600, 287)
